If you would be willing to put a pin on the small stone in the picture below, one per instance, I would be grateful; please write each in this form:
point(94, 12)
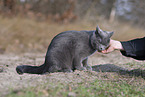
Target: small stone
point(71, 94)
point(1, 69)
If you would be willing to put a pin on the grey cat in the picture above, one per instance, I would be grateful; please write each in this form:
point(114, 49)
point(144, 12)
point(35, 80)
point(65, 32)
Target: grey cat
point(69, 51)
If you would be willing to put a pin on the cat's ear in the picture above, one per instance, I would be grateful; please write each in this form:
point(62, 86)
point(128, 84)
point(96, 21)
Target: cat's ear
point(103, 33)
point(99, 31)
point(110, 34)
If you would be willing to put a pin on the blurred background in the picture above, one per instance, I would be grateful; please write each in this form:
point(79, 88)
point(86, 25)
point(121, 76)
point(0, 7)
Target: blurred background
point(29, 25)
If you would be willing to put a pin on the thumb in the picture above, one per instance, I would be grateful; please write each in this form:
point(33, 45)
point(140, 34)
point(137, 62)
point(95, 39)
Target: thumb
point(105, 51)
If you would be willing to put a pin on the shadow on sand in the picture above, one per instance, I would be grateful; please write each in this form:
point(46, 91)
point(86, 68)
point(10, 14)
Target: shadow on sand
point(120, 70)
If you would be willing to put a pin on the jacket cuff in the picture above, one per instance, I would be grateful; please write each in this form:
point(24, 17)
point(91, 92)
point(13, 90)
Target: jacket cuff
point(128, 48)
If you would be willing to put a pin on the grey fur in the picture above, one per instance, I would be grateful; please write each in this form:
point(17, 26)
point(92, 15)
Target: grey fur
point(69, 51)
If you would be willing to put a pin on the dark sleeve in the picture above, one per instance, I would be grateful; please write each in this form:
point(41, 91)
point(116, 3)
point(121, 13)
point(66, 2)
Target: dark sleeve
point(134, 48)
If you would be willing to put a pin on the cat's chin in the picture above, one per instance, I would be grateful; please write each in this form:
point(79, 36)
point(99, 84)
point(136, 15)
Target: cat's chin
point(99, 51)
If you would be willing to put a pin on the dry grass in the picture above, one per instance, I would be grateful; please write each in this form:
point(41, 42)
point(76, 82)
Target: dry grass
point(24, 35)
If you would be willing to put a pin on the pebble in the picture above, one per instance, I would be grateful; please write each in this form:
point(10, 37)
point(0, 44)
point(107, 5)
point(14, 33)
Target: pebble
point(1, 69)
point(71, 94)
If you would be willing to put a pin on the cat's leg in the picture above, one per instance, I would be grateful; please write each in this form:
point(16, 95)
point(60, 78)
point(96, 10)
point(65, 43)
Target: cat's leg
point(85, 64)
point(77, 64)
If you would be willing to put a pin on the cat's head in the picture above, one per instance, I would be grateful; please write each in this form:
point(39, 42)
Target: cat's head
point(101, 39)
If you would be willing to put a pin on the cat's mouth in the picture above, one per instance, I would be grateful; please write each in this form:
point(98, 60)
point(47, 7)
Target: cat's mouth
point(102, 49)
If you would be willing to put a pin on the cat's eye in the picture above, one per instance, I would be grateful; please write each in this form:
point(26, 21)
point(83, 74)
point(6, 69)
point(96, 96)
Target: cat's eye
point(108, 40)
point(99, 40)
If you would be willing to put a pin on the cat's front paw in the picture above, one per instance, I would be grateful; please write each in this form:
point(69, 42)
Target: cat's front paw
point(80, 68)
point(89, 68)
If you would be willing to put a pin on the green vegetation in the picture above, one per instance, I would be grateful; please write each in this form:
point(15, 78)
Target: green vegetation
point(97, 88)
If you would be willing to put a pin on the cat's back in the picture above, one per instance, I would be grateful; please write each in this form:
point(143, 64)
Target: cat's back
point(70, 38)
point(73, 34)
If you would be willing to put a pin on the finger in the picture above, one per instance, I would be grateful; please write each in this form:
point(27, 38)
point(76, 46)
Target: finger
point(104, 51)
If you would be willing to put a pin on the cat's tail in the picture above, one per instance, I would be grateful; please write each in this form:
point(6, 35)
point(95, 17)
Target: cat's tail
point(30, 69)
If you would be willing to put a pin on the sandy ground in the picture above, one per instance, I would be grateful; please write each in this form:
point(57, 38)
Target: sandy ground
point(105, 63)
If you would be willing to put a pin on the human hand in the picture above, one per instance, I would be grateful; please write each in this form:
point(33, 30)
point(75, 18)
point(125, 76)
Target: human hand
point(114, 45)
